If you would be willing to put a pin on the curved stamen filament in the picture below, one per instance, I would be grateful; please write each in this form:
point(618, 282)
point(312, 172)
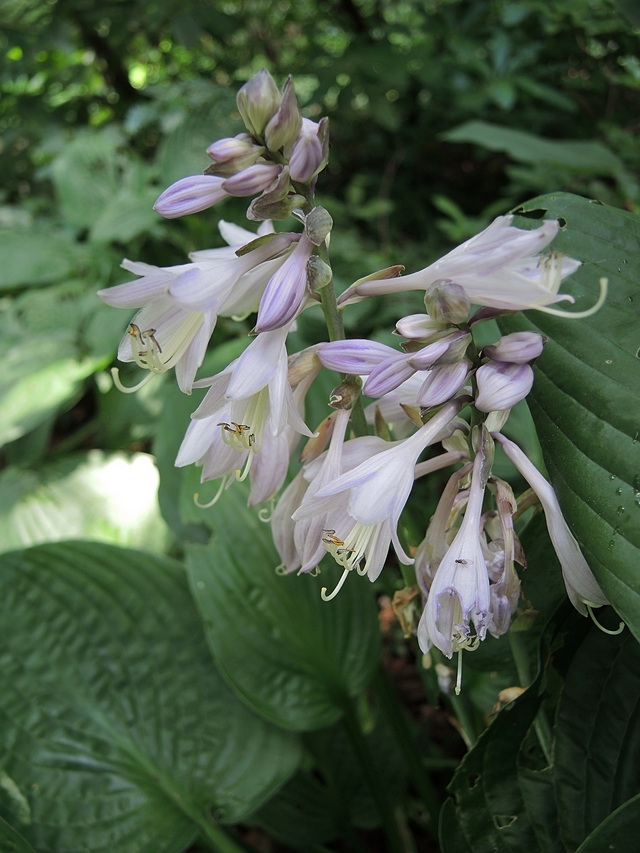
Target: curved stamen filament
point(578, 315)
point(214, 500)
point(115, 375)
point(339, 585)
point(613, 633)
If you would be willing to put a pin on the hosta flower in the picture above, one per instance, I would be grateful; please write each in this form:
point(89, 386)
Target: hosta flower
point(501, 268)
point(286, 291)
point(459, 594)
point(501, 385)
point(364, 504)
point(582, 587)
point(180, 305)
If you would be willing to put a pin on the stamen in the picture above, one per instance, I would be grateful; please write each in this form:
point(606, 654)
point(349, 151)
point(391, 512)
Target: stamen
point(241, 477)
point(618, 630)
point(339, 585)
point(459, 676)
point(578, 315)
point(281, 570)
point(115, 375)
point(266, 513)
point(315, 572)
point(214, 500)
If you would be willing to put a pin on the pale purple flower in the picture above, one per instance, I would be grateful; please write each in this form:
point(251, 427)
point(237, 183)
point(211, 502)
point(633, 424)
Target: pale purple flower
point(284, 125)
point(517, 348)
point(363, 505)
point(286, 291)
point(582, 587)
point(499, 268)
point(307, 155)
point(252, 180)
point(459, 593)
point(442, 383)
point(501, 385)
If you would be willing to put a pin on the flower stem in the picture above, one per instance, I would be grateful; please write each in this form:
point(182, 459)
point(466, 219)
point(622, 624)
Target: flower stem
point(376, 784)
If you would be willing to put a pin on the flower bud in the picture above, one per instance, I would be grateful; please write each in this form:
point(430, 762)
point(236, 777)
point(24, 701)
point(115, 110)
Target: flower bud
point(517, 348)
point(307, 154)
point(319, 274)
point(233, 155)
point(345, 395)
point(420, 327)
point(283, 127)
point(190, 195)
point(318, 224)
point(449, 350)
point(501, 385)
point(275, 202)
point(447, 302)
point(253, 180)
point(443, 383)
point(258, 100)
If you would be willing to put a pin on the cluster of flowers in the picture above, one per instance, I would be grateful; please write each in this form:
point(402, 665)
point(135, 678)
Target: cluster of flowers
point(350, 491)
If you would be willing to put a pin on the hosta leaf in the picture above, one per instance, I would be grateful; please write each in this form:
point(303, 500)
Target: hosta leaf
point(11, 841)
point(31, 257)
point(290, 655)
point(597, 752)
point(116, 730)
point(586, 397)
point(106, 497)
point(618, 833)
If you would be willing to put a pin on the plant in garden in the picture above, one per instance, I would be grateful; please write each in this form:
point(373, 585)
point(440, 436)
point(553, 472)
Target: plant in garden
point(302, 654)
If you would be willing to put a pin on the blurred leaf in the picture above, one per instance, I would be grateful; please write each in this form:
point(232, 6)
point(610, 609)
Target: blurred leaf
point(105, 497)
point(30, 257)
point(527, 148)
point(292, 656)
point(39, 376)
point(537, 788)
point(118, 733)
point(585, 398)
point(86, 176)
point(125, 216)
point(185, 151)
point(618, 833)
point(597, 750)
point(450, 833)
point(11, 841)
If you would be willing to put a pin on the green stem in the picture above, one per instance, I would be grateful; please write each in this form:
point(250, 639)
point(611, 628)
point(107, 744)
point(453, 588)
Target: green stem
point(360, 746)
point(465, 718)
point(217, 838)
point(523, 666)
point(398, 721)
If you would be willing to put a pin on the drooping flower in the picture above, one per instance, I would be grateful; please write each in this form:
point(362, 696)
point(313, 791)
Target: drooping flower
point(499, 268)
point(582, 588)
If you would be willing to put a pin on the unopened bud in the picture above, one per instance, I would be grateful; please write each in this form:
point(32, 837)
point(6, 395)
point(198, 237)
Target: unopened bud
point(284, 127)
point(258, 100)
point(319, 274)
point(420, 327)
point(318, 224)
point(318, 442)
point(345, 395)
point(276, 202)
point(443, 383)
point(501, 385)
point(253, 180)
point(233, 155)
point(447, 302)
point(517, 348)
point(303, 364)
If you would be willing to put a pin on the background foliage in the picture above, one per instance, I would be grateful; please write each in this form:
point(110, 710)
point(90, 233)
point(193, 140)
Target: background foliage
point(183, 694)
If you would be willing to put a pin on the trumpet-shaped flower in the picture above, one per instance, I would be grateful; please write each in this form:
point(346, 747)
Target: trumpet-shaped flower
point(582, 587)
point(500, 268)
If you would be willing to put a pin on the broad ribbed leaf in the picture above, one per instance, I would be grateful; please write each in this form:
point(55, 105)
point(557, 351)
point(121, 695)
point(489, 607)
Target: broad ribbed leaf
point(619, 833)
point(450, 833)
point(116, 731)
point(11, 841)
point(597, 753)
point(289, 654)
point(586, 396)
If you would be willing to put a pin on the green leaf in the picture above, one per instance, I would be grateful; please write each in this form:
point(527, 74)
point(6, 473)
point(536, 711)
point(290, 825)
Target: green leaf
point(450, 833)
point(125, 216)
point(524, 147)
point(618, 833)
point(36, 257)
point(105, 497)
point(39, 375)
point(117, 731)
point(11, 841)
point(597, 751)
point(290, 655)
point(537, 788)
point(586, 394)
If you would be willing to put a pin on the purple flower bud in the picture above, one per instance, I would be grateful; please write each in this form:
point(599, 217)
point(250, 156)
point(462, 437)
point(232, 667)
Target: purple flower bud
point(231, 147)
point(443, 383)
point(253, 180)
point(284, 126)
point(190, 195)
point(257, 101)
point(518, 348)
point(307, 156)
point(420, 327)
point(501, 385)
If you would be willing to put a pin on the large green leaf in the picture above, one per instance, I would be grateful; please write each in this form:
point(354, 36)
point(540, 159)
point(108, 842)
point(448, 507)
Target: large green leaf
point(11, 841)
point(30, 256)
point(597, 752)
point(105, 497)
point(117, 732)
point(618, 833)
point(292, 656)
point(586, 397)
